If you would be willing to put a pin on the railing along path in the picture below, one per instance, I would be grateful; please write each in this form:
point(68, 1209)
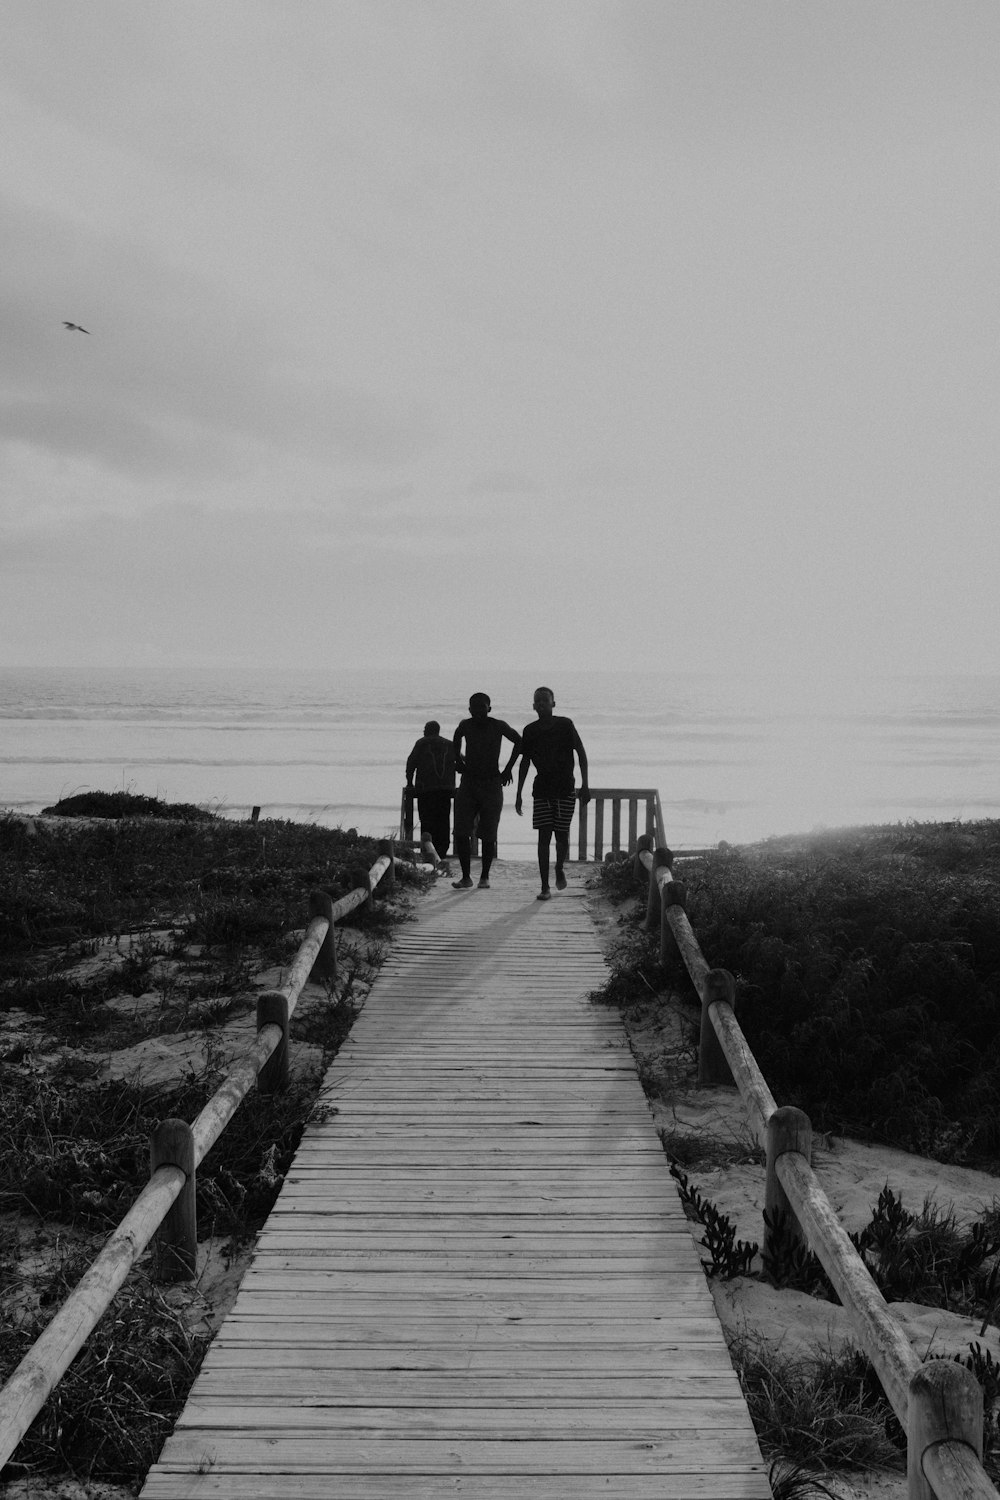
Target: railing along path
point(478, 1278)
point(610, 823)
point(939, 1404)
point(166, 1206)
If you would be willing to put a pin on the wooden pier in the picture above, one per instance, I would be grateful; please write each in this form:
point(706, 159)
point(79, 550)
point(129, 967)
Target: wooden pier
point(478, 1279)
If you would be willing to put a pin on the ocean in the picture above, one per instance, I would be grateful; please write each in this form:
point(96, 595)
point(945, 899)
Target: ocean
point(732, 758)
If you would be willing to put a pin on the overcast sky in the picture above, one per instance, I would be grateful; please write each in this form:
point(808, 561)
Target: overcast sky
point(486, 332)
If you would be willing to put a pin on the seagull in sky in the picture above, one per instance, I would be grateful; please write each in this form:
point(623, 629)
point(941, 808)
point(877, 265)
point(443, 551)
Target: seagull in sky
point(75, 327)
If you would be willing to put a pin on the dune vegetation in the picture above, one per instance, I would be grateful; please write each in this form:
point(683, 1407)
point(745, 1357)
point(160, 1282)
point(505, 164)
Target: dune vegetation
point(134, 936)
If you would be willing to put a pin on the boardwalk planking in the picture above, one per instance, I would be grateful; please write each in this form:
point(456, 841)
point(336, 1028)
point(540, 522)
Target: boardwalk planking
point(477, 1279)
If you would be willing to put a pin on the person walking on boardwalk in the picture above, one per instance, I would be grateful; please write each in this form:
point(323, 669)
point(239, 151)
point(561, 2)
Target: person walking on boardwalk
point(549, 744)
point(478, 741)
point(430, 770)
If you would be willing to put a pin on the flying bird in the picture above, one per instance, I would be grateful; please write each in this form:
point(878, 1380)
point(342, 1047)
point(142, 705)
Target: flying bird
point(75, 327)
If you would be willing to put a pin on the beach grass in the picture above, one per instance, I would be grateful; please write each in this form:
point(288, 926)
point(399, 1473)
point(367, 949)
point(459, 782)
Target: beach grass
point(867, 968)
point(127, 932)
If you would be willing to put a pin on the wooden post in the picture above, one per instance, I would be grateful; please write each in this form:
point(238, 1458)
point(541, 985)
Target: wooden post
point(674, 894)
point(254, 814)
point(712, 1065)
point(633, 823)
point(388, 881)
point(654, 901)
point(361, 878)
point(788, 1129)
point(616, 824)
point(582, 831)
point(599, 829)
point(645, 845)
point(176, 1251)
point(272, 1010)
point(324, 969)
point(406, 814)
point(945, 1405)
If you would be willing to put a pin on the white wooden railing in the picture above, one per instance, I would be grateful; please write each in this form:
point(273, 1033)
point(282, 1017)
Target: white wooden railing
point(610, 823)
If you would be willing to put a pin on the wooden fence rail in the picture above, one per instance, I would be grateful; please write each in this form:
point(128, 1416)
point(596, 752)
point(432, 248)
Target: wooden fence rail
point(166, 1203)
point(939, 1404)
point(612, 812)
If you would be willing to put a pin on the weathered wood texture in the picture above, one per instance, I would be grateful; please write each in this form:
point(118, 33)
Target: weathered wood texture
point(477, 1279)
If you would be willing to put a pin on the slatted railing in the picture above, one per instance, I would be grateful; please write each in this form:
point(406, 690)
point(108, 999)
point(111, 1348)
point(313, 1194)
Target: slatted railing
point(939, 1404)
point(612, 821)
point(166, 1205)
point(614, 815)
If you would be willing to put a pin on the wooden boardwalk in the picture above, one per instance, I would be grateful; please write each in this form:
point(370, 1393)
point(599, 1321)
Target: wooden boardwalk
point(477, 1279)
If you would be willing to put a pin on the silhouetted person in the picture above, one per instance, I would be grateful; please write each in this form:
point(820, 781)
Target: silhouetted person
point(481, 788)
point(430, 771)
point(549, 744)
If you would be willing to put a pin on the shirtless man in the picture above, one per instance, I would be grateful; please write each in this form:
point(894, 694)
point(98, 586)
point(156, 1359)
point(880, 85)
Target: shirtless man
point(550, 744)
point(481, 787)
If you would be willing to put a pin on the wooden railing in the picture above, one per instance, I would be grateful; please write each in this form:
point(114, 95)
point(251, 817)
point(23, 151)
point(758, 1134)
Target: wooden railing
point(613, 813)
point(939, 1404)
point(166, 1205)
point(620, 840)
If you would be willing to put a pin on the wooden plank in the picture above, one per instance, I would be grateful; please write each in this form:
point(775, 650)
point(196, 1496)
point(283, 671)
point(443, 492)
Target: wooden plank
point(749, 1484)
point(606, 1360)
point(478, 1278)
point(458, 1388)
point(594, 1419)
point(244, 1450)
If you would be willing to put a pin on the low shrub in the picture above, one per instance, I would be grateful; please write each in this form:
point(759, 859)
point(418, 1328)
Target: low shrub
point(868, 976)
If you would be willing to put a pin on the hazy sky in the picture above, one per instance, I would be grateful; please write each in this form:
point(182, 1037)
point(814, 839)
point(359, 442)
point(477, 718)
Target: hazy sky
point(490, 332)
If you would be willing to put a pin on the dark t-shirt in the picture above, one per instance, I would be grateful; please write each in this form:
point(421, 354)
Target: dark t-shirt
point(483, 742)
point(549, 745)
point(431, 763)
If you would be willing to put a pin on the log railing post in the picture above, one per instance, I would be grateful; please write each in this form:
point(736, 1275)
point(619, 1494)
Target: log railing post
point(719, 986)
point(787, 1129)
point(272, 1010)
point(644, 845)
point(945, 1406)
point(406, 814)
point(324, 969)
point(176, 1250)
point(361, 879)
point(388, 881)
point(654, 902)
point(674, 894)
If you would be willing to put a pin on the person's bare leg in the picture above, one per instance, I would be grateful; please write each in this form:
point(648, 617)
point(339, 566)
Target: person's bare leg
point(489, 855)
point(543, 862)
point(463, 848)
point(562, 850)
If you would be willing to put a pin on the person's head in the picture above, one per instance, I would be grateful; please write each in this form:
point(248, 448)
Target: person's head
point(431, 728)
point(544, 702)
point(479, 705)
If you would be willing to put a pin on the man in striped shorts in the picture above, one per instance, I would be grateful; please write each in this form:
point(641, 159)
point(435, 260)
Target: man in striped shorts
point(549, 744)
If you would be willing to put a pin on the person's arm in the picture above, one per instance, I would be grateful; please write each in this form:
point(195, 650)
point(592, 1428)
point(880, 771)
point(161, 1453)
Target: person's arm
point(581, 755)
point(411, 765)
point(457, 747)
point(507, 774)
point(522, 776)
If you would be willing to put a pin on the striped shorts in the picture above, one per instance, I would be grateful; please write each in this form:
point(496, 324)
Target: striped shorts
point(552, 813)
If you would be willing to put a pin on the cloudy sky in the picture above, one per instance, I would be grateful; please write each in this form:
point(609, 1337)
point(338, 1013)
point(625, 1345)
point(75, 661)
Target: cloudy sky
point(624, 333)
